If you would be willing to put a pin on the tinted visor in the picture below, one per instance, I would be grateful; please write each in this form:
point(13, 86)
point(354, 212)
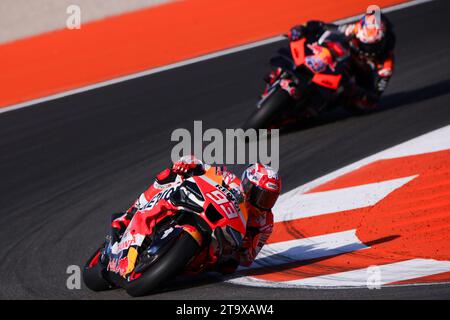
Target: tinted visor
point(259, 197)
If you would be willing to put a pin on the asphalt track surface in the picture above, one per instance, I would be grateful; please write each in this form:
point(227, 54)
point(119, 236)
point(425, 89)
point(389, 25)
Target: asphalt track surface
point(66, 165)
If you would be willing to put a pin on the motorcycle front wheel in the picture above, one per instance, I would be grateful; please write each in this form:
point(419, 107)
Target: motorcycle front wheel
point(94, 273)
point(170, 265)
point(270, 110)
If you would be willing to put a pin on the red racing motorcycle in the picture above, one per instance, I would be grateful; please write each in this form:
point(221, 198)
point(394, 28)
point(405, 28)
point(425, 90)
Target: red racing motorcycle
point(185, 229)
point(307, 81)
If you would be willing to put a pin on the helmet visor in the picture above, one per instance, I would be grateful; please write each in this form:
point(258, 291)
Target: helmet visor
point(261, 198)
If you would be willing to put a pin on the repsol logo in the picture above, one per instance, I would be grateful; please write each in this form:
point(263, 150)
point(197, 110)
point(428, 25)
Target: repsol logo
point(165, 194)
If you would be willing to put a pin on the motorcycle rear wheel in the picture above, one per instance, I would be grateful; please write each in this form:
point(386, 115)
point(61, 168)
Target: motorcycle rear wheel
point(168, 266)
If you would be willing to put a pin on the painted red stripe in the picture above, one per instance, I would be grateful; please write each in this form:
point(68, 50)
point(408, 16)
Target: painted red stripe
point(411, 222)
point(326, 266)
point(144, 39)
point(317, 225)
point(389, 169)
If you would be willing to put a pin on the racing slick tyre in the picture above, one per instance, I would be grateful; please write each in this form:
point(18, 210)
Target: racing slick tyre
point(269, 111)
point(94, 274)
point(168, 266)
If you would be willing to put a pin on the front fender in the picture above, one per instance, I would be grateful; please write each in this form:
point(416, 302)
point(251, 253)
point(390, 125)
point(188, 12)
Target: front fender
point(164, 242)
point(194, 233)
point(158, 248)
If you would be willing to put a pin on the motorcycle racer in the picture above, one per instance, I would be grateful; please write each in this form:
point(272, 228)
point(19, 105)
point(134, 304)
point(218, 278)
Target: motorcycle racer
point(327, 53)
point(372, 44)
point(259, 188)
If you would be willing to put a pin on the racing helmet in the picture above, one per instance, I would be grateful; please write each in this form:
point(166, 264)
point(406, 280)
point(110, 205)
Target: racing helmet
point(261, 186)
point(370, 34)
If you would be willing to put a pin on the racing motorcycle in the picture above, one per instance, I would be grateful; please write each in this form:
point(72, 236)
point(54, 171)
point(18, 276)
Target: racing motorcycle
point(308, 77)
point(185, 228)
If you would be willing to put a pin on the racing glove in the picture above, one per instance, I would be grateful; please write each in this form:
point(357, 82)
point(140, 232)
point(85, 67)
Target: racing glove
point(311, 28)
point(297, 32)
point(187, 165)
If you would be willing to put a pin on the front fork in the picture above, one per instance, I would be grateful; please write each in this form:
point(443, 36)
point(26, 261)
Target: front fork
point(193, 232)
point(162, 244)
point(281, 79)
point(290, 87)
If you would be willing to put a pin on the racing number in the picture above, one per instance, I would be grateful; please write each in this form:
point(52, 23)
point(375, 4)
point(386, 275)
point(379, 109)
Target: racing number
point(221, 199)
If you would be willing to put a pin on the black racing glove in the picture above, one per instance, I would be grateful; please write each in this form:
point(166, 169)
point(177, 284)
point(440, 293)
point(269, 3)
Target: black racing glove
point(313, 27)
point(297, 32)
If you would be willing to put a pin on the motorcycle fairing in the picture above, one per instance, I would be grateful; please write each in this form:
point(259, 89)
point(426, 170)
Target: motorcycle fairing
point(330, 81)
point(298, 51)
point(223, 201)
point(210, 192)
point(327, 80)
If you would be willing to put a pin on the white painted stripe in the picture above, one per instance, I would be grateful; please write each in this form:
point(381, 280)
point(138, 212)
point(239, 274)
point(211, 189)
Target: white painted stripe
point(437, 140)
point(308, 248)
point(319, 203)
point(434, 141)
point(184, 63)
point(389, 273)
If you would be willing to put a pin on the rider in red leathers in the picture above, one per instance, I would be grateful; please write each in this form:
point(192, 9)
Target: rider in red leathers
point(260, 188)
